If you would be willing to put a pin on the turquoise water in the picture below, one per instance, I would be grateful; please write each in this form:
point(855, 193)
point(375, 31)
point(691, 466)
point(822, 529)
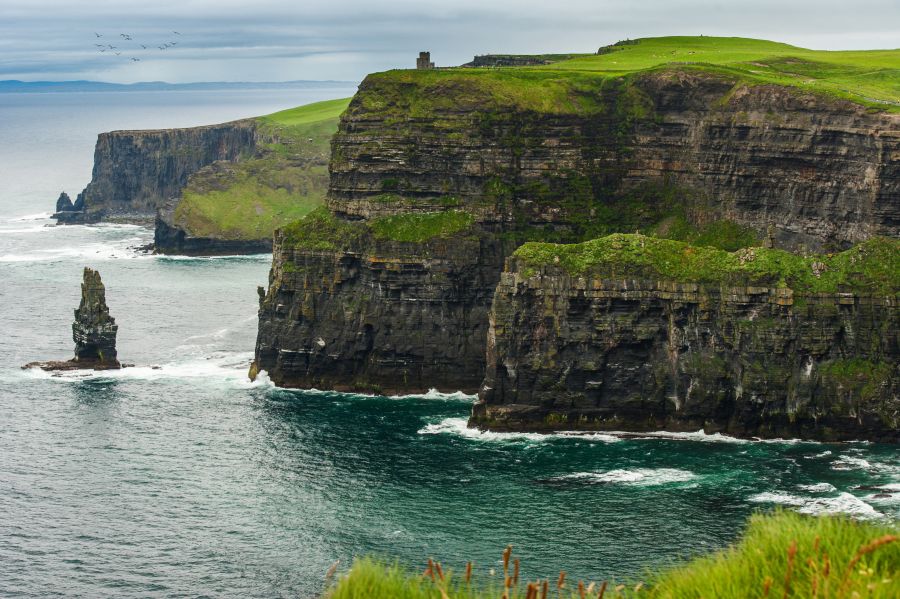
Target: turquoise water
point(181, 478)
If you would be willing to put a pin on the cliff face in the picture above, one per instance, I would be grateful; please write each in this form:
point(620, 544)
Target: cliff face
point(608, 351)
point(537, 156)
point(136, 172)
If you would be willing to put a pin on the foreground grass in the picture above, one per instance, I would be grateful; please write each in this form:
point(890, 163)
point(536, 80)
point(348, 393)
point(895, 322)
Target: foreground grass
point(250, 199)
point(780, 555)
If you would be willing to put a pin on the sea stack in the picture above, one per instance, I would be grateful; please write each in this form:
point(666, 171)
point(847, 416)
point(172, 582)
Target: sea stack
point(94, 330)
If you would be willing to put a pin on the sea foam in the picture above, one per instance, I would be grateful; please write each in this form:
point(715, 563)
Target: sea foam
point(844, 503)
point(639, 477)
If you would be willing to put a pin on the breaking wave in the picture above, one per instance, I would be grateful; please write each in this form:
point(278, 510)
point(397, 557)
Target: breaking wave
point(228, 368)
point(638, 477)
point(844, 503)
point(459, 427)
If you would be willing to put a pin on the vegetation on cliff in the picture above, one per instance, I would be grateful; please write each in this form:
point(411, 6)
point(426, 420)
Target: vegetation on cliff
point(321, 230)
point(575, 86)
point(251, 198)
point(779, 555)
point(870, 267)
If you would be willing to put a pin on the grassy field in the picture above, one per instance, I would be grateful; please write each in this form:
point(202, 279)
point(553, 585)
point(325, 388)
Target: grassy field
point(873, 266)
point(251, 198)
point(867, 76)
point(782, 555)
point(870, 78)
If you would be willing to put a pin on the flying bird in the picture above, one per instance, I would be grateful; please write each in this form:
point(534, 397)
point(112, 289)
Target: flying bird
point(118, 54)
point(176, 33)
point(143, 46)
point(97, 34)
point(125, 36)
point(135, 59)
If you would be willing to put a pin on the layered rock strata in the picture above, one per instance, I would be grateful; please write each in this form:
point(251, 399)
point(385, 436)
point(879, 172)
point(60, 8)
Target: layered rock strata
point(94, 330)
point(618, 350)
point(136, 172)
point(547, 158)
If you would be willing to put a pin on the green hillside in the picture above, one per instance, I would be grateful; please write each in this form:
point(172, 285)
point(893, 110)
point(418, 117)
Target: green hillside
point(867, 76)
point(251, 198)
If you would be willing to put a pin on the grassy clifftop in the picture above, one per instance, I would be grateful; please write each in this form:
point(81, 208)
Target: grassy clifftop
point(869, 77)
point(251, 198)
point(870, 267)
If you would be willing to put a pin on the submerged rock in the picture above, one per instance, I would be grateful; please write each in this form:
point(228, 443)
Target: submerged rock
point(94, 331)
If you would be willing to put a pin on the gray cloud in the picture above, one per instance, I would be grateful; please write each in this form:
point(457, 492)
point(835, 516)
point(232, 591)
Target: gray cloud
point(270, 40)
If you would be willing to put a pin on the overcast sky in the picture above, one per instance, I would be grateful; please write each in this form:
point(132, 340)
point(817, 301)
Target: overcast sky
point(280, 40)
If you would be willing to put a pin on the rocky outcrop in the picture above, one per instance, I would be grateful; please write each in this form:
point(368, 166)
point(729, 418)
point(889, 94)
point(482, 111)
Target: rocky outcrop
point(135, 172)
point(94, 331)
point(545, 157)
point(379, 315)
point(64, 203)
point(610, 349)
point(168, 238)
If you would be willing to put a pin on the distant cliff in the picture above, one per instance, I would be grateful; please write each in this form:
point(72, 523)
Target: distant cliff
point(220, 189)
point(136, 172)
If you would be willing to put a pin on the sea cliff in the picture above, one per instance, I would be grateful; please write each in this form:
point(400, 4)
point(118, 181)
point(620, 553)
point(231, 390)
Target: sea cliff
point(219, 189)
point(437, 176)
point(633, 333)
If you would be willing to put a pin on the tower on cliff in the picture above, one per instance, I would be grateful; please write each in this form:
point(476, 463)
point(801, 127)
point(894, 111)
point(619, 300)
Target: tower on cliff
point(424, 61)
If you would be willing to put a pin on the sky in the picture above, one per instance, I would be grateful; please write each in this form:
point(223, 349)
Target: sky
point(284, 40)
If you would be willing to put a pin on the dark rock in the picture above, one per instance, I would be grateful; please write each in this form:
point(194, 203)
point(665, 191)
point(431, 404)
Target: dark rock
point(135, 172)
point(599, 352)
point(405, 316)
point(64, 203)
point(94, 331)
point(171, 239)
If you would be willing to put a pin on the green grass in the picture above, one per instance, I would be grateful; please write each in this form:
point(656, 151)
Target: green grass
point(867, 77)
point(779, 555)
point(307, 114)
point(870, 267)
point(250, 199)
point(321, 231)
point(418, 227)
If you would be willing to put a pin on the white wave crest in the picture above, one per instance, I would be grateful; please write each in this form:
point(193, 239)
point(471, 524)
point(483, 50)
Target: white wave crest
point(846, 462)
point(459, 427)
point(226, 368)
point(435, 394)
point(845, 503)
point(119, 250)
point(27, 217)
point(818, 488)
point(639, 477)
point(32, 229)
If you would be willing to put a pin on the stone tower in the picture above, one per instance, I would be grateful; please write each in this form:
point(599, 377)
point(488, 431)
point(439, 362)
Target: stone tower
point(424, 61)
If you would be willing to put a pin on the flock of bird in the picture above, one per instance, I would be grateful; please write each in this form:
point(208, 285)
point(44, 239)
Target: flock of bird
point(103, 48)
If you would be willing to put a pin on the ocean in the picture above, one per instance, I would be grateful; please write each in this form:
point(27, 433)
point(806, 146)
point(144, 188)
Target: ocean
point(181, 478)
